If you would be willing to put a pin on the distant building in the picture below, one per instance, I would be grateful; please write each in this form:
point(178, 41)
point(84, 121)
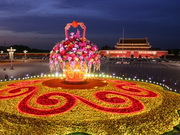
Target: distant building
point(133, 44)
point(131, 47)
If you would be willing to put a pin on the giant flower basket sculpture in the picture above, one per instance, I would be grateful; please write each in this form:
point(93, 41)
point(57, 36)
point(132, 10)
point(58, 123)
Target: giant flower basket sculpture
point(75, 56)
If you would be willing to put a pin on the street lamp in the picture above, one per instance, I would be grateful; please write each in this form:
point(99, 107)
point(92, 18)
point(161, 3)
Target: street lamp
point(2, 53)
point(11, 55)
point(25, 51)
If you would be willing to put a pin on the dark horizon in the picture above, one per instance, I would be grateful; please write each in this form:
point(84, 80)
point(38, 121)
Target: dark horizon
point(40, 24)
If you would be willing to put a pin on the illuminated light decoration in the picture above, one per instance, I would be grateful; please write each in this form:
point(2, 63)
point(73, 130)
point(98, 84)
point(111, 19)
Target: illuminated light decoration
point(14, 92)
point(75, 56)
point(96, 75)
point(107, 102)
point(46, 100)
point(75, 75)
point(24, 83)
point(126, 91)
point(75, 24)
point(60, 83)
point(136, 105)
point(137, 91)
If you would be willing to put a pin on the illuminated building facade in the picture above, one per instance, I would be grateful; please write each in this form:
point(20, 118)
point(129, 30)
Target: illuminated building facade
point(133, 44)
point(136, 48)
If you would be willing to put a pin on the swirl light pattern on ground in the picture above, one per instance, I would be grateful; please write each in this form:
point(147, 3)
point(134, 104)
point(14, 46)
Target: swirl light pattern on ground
point(98, 106)
point(127, 92)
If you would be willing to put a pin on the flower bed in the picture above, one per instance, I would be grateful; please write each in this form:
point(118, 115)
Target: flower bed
point(96, 106)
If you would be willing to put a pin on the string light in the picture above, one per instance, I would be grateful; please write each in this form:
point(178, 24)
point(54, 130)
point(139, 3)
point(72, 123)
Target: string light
point(92, 75)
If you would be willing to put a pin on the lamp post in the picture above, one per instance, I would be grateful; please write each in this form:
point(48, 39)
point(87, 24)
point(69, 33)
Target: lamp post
point(25, 51)
point(11, 55)
point(2, 53)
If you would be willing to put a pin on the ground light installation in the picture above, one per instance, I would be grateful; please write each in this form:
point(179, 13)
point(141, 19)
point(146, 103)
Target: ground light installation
point(102, 104)
point(127, 90)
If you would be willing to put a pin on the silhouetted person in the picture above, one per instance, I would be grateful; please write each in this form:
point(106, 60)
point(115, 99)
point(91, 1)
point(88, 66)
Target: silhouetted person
point(6, 77)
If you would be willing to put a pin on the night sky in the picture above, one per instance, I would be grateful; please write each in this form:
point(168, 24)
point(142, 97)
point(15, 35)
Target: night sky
point(40, 23)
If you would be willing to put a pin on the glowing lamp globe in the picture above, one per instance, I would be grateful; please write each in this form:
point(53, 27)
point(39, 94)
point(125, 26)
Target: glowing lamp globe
point(75, 56)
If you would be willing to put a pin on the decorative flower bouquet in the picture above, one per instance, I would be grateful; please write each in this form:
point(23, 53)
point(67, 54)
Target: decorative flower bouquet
point(75, 55)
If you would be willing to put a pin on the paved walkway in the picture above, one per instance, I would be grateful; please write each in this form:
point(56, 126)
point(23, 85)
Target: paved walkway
point(167, 73)
point(22, 69)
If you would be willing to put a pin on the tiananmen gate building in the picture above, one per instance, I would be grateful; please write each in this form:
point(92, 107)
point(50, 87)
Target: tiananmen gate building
point(136, 48)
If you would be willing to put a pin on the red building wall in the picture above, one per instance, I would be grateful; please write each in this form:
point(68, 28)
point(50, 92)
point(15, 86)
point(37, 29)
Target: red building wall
point(135, 53)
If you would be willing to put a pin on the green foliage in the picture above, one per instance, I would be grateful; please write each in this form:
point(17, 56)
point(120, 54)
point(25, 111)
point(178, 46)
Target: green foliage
point(106, 47)
point(21, 48)
point(176, 129)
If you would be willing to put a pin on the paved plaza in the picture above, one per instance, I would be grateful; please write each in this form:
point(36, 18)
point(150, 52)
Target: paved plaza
point(167, 73)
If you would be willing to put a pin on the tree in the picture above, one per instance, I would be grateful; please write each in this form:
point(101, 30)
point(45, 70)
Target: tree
point(21, 48)
point(106, 47)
